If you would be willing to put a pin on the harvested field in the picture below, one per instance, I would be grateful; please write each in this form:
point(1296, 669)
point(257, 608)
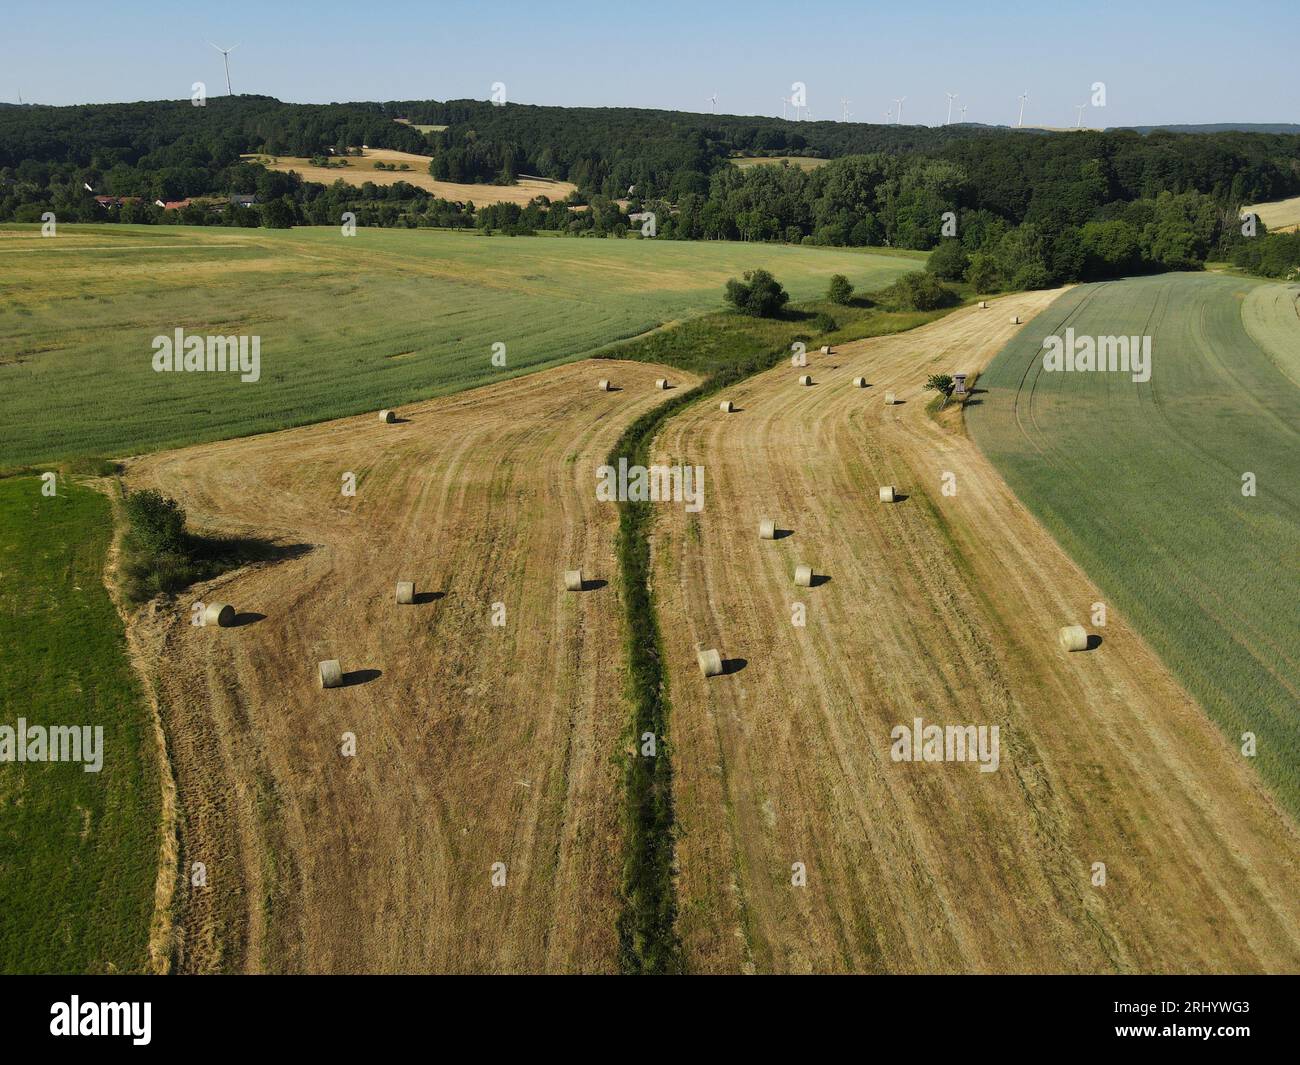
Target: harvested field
point(945, 608)
point(361, 169)
point(476, 744)
point(1280, 216)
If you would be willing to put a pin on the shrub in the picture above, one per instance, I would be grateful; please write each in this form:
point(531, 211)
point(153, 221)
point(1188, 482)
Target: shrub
point(840, 291)
point(982, 274)
point(157, 523)
point(920, 291)
point(824, 323)
point(760, 295)
point(948, 261)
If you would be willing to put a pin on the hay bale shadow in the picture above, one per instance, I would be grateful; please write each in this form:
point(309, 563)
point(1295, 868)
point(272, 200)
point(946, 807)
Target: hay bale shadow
point(427, 597)
point(1094, 641)
point(818, 579)
point(733, 665)
point(359, 676)
point(781, 534)
point(247, 617)
point(593, 585)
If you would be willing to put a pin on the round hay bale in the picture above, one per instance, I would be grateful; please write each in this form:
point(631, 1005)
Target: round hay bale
point(804, 379)
point(1073, 638)
point(984, 305)
point(767, 529)
point(889, 399)
point(859, 382)
point(710, 663)
point(1015, 319)
point(406, 592)
point(331, 674)
point(603, 385)
point(887, 493)
point(662, 384)
point(803, 576)
point(826, 349)
point(573, 580)
point(387, 416)
point(222, 614)
point(726, 406)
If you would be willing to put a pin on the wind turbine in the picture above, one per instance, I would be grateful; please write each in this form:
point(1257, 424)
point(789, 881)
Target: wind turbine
point(845, 113)
point(784, 100)
point(714, 100)
point(899, 101)
point(888, 115)
point(225, 56)
point(951, 97)
point(1080, 109)
point(1023, 97)
point(963, 112)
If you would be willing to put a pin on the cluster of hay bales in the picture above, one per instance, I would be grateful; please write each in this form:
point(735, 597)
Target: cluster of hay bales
point(220, 614)
point(803, 576)
point(573, 580)
point(710, 662)
point(726, 406)
point(889, 399)
point(888, 493)
point(805, 379)
point(859, 382)
point(603, 385)
point(766, 529)
point(1073, 638)
point(387, 416)
point(331, 674)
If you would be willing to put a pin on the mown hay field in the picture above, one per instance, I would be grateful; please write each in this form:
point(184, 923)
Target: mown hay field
point(347, 324)
point(361, 169)
point(1142, 483)
point(78, 850)
point(1279, 216)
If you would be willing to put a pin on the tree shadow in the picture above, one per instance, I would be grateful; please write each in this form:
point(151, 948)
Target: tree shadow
point(232, 551)
point(359, 676)
point(733, 665)
point(247, 617)
point(427, 597)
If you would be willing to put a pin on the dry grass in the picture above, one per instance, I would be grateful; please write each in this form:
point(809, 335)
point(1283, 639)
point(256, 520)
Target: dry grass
point(476, 744)
point(1280, 216)
point(947, 608)
point(803, 162)
point(362, 169)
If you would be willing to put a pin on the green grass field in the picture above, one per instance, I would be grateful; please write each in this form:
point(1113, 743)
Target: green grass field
point(78, 850)
point(346, 324)
point(1142, 484)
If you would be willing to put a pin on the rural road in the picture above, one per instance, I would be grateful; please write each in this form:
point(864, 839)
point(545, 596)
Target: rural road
point(943, 607)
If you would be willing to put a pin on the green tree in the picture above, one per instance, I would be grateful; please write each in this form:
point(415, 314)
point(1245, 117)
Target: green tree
point(840, 291)
point(760, 295)
point(948, 261)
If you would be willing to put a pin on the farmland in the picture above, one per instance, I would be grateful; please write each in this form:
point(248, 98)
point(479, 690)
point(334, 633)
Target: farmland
point(361, 169)
point(803, 162)
point(1280, 215)
point(476, 743)
point(78, 850)
point(945, 607)
point(346, 324)
point(1144, 485)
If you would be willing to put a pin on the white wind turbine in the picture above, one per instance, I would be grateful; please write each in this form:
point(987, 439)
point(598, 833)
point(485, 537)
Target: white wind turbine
point(714, 100)
point(225, 56)
point(784, 100)
point(1023, 97)
point(1080, 108)
point(963, 112)
point(951, 97)
point(899, 100)
point(845, 113)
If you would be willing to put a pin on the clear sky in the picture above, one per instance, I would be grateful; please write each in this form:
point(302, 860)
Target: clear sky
point(1162, 61)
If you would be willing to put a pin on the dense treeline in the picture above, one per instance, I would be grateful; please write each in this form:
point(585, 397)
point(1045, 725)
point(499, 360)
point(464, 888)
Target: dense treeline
point(1022, 210)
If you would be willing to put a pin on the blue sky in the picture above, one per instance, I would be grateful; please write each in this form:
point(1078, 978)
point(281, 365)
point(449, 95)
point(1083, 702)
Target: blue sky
point(1161, 61)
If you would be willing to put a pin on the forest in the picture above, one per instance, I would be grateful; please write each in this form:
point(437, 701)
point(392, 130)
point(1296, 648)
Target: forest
point(1003, 208)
